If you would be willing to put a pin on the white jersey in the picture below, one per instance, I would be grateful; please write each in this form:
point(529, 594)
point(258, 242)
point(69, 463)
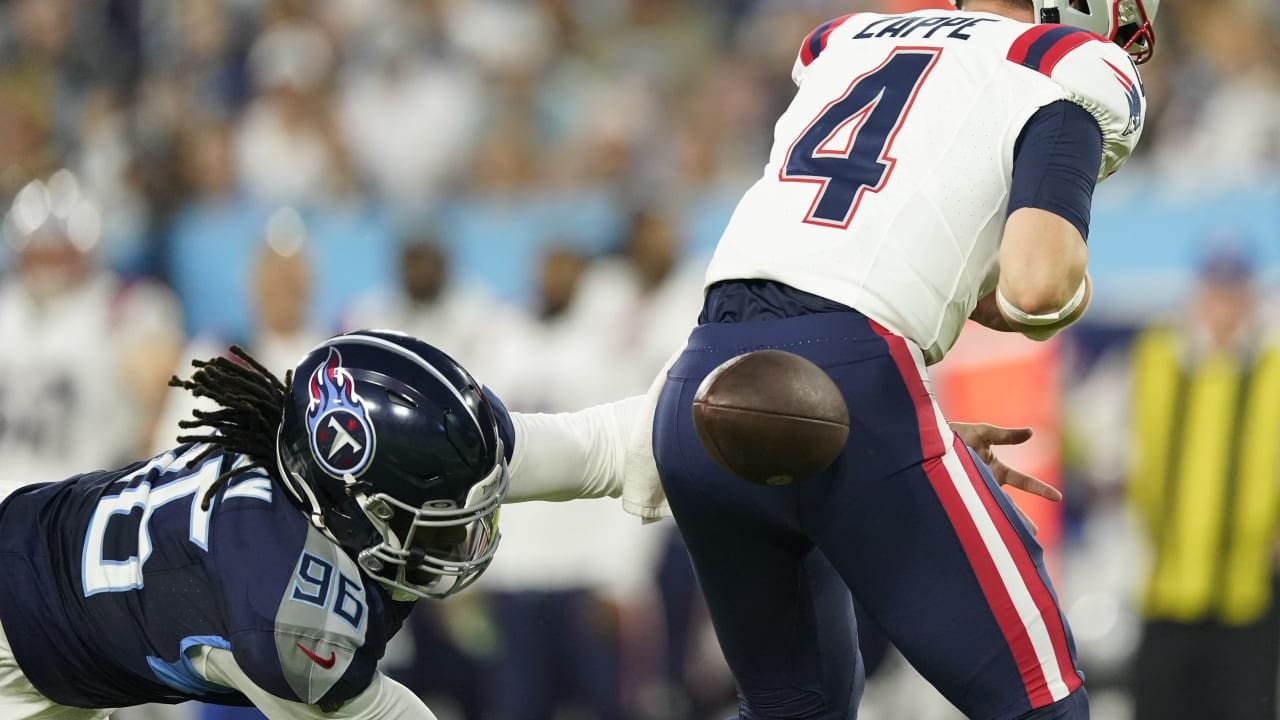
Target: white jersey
point(888, 183)
point(66, 404)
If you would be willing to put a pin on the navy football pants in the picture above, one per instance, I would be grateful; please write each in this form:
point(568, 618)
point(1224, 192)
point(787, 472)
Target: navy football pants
point(908, 519)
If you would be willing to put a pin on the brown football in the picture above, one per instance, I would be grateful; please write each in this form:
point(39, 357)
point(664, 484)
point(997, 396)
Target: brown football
point(771, 417)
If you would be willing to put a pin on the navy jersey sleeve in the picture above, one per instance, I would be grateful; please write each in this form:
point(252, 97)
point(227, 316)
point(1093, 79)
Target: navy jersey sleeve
point(304, 623)
point(1055, 163)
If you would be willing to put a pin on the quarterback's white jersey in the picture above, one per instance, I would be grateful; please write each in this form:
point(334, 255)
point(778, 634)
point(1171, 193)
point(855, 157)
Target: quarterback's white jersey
point(888, 183)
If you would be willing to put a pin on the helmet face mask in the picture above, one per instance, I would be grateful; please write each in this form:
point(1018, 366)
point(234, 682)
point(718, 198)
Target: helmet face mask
point(1132, 28)
point(393, 452)
point(1127, 23)
point(437, 550)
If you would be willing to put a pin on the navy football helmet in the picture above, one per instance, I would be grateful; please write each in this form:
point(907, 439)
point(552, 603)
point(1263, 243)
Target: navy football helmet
point(393, 451)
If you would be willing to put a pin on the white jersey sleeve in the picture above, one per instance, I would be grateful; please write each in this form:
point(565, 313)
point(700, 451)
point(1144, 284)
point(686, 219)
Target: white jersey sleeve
point(570, 456)
point(1101, 78)
point(605, 450)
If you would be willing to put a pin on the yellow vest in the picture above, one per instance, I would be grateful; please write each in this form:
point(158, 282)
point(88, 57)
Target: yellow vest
point(1206, 479)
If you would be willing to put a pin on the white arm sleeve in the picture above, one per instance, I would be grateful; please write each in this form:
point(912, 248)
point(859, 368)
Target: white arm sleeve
point(602, 451)
point(384, 699)
point(573, 455)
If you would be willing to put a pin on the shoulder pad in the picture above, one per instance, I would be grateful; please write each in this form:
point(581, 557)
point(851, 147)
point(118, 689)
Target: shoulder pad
point(1097, 75)
point(314, 648)
point(813, 45)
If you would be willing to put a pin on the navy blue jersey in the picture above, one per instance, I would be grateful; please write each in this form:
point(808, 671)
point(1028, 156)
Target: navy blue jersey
point(112, 578)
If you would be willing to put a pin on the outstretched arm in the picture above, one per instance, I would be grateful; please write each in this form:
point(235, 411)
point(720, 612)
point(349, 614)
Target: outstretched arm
point(582, 454)
point(595, 452)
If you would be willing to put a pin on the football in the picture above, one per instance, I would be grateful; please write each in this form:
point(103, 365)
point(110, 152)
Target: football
point(771, 417)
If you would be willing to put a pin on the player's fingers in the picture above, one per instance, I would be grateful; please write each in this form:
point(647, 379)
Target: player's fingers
point(1006, 475)
point(997, 435)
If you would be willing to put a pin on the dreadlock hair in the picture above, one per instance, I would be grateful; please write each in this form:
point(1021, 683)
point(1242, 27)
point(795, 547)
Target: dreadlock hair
point(252, 401)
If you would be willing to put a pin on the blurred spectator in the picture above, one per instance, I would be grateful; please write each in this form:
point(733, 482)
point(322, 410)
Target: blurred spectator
point(214, 236)
point(288, 146)
point(567, 357)
point(202, 44)
point(281, 329)
point(501, 37)
point(107, 168)
point(1225, 99)
point(411, 111)
point(643, 302)
point(708, 160)
point(496, 228)
point(83, 356)
point(668, 293)
point(431, 303)
point(567, 591)
point(24, 132)
point(1206, 487)
point(1202, 396)
point(42, 37)
point(660, 43)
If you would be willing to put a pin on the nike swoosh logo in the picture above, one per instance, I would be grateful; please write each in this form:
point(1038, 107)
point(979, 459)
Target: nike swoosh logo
point(325, 663)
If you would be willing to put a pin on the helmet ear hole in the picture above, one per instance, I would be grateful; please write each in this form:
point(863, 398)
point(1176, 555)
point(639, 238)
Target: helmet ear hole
point(1081, 5)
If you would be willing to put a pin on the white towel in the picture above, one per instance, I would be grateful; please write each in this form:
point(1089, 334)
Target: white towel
point(642, 493)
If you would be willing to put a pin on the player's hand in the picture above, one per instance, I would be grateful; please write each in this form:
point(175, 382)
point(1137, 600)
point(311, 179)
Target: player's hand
point(987, 313)
point(981, 437)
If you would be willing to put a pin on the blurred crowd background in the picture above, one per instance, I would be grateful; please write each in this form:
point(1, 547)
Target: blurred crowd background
point(535, 186)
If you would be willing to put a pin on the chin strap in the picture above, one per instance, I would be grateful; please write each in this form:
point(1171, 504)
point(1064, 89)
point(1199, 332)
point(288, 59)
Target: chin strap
point(401, 596)
point(1049, 14)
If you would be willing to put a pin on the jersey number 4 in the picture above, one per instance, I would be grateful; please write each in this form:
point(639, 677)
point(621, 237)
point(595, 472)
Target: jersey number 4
point(845, 149)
